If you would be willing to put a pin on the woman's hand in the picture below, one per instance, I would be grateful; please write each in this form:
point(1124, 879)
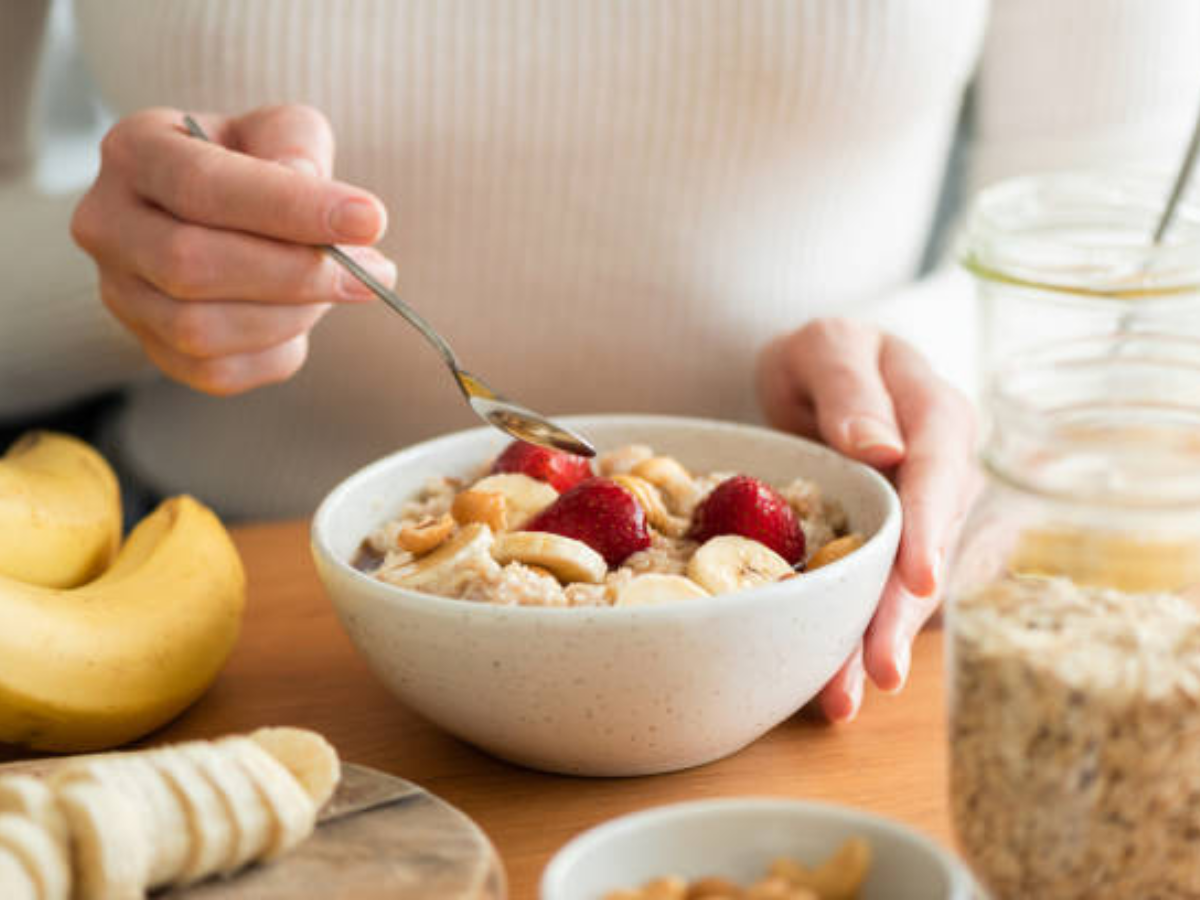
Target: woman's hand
point(874, 398)
point(205, 250)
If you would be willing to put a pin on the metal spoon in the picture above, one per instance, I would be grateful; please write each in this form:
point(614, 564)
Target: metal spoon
point(1181, 181)
point(512, 418)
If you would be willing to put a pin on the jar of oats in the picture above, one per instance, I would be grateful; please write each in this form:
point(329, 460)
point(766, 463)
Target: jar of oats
point(1070, 254)
point(1073, 628)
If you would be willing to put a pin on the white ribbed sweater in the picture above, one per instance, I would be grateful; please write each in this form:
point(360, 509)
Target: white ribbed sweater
point(604, 204)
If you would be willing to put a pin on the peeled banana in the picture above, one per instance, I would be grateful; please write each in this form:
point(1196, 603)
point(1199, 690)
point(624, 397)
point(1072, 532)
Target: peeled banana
point(98, 665)
point(60, 511)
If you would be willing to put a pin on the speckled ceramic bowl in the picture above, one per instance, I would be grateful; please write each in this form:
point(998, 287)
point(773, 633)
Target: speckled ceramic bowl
point(738, 839)
point(612, 691)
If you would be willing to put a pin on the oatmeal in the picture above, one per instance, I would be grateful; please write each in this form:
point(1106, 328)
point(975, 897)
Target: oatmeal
point(539, 528)
point(1075, 740)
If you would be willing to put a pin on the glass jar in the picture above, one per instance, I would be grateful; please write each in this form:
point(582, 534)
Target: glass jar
point(1071, 254)
point(1073, 628)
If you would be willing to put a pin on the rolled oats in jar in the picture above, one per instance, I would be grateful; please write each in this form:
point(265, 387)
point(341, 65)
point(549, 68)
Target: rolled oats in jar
point(1073, 628)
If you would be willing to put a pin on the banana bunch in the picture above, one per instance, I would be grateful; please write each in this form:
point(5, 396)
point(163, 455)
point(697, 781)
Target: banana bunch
point(108, 644)
point(113, 826)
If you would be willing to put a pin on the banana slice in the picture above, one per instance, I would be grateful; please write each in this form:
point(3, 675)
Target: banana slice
point(170, 837)
point(293, 813)
point(249, 819)
point(447, 561)
point(110, 856)
point(671, 478)
point(730, 563)
point(656, 588)
point(31, 797)
point(15, 881)
point(213, 841)
point(524, 497)
point(567, 559)
point(309, 757)
point(44, 858)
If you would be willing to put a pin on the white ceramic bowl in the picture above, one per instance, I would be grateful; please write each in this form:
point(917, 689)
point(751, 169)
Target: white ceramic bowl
point(612, 691)
point(738, 839)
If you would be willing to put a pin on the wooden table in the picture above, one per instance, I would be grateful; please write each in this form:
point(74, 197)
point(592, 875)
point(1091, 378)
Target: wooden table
point(294, 665)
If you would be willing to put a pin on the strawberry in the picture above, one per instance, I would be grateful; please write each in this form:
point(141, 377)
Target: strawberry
point(600, 513)
point(748, 507)
point(560, 470)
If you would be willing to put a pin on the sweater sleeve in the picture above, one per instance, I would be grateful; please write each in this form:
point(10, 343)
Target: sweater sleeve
point(1062, 84)
point(57, 342)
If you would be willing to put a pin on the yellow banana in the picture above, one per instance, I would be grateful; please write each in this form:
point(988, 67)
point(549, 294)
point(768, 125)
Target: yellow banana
point(101, 664)
point(60, 511)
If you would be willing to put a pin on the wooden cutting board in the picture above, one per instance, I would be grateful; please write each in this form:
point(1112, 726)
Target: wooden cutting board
point(418, 847)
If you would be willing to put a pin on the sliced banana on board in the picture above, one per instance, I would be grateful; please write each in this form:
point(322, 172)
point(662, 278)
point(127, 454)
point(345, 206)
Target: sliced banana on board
point(446, 561)
point(567, 559)
point(524, 497)
point(110, 856)
point(730, 563)
point(213, 841)
point(293, 814)
point(309, 757)
point(161, 818)
point(44, 858)
point(170, 837)
point(655, 589)
point(16, 883)
point(250, 819)
point(32, 797)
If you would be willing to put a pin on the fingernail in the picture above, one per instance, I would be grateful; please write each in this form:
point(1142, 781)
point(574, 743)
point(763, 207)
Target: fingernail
point(301, 164)
point(382, 268)
point(355, 220)
point(866, 433)
point(903, 655)
point(935, 574)
point(856, 698)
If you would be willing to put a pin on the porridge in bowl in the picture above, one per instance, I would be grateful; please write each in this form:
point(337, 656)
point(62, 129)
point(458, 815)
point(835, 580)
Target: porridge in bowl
point(537, 527)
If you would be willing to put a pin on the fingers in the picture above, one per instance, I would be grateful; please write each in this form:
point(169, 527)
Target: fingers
point(784, 404)
point(297, 136)
point(228, 375)
point(208, 184)
point(841, 699)
point(887, 653)
point(207, 330)
point(222, 374)
point(936, 481)
point(832, 365)
point(191, 262)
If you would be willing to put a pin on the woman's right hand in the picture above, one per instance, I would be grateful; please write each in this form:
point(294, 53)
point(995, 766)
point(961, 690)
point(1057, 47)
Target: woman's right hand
point(206, 251)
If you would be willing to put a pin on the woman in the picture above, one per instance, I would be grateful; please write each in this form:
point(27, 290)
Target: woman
point(605, 206)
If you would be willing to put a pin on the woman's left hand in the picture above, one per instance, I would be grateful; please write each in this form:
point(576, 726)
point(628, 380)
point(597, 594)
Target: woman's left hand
point(873, 397)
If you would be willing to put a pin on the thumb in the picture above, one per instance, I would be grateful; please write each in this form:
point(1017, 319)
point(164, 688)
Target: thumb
point(295, 135)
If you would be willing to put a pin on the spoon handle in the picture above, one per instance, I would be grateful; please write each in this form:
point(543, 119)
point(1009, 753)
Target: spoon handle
point(1181, 182)
point(387, 296)
point(391, 299)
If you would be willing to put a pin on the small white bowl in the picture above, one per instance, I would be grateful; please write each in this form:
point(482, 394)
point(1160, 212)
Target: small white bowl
point(612, 691)
point(738, 839)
